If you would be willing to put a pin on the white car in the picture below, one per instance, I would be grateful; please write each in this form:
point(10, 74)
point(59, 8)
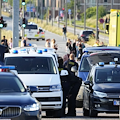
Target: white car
point(32, 31)
point(40, 69)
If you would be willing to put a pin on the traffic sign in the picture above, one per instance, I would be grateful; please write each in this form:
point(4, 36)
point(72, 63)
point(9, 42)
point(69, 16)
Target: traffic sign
point(30, 9)
point(69, 11)
point(101, 21)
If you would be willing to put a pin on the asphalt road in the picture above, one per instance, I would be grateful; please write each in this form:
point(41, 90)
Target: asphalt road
point(62, 51)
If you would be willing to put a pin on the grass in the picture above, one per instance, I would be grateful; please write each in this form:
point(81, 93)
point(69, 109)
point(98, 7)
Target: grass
point(6, 14)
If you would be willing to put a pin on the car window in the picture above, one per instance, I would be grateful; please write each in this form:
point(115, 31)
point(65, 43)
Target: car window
point(85, 67)
point(108, 75)
point(103, 57)
point(32, 65)
point(10, 84)
point(31, 27)
point(87, 32)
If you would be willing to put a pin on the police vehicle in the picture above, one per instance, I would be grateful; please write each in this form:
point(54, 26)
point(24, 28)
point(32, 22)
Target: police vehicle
point(102, 90)
point(91, 56)
point(40, 70)
point(32, 31)
point(16, 102)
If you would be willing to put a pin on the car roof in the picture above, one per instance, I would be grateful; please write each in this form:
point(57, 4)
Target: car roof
point(106, 66)
point(96, 49)
point(7, 73)
point(31, 23)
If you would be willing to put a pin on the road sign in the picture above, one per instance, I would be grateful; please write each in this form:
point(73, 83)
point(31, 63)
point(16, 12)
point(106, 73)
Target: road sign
point(69, 11)
point(101, 21)
point(30, 9)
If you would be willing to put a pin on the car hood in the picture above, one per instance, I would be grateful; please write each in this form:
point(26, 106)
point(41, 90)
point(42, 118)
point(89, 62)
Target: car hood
point(18, 99)
point(83, 75)
point(107, 87)
point(39, 79)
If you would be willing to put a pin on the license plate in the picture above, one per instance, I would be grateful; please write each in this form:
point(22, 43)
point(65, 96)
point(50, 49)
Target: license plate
point(115, 102)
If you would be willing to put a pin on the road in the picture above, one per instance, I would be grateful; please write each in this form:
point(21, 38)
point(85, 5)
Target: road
point(61, 51)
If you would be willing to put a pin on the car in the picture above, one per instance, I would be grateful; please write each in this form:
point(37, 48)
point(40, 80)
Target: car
point(85, 34)
point(92, 56)
point(16, 102)
point(40, 69)
point(32, 31)
point(102, 91)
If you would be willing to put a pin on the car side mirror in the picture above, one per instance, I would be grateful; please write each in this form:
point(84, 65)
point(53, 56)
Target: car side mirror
point(74, 69)
point(64, 73)
point(32, 89)
point(87, 82)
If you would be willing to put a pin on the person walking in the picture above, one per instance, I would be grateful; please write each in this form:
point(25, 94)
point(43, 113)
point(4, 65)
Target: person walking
point(75, 84)
point(64, 30)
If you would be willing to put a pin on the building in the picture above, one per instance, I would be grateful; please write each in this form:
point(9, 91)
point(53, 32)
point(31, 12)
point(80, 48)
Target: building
point(108, 4)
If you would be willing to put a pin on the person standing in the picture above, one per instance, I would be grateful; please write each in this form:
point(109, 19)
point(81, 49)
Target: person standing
point(68, 45)
point(25, 42)
point(10, 43)
point(64, 30)
point(75, 84)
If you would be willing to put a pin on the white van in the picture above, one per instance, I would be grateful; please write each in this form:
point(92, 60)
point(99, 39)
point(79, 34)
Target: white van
point(32, 31)
point(40, 70)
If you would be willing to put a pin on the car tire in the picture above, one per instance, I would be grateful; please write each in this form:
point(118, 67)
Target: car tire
point(37, 40)
point(54, 113)
point(43, 39)
point(85, 112)
point(92, 113)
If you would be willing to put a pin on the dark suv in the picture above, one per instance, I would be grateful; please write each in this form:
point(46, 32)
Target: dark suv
point(85, 34)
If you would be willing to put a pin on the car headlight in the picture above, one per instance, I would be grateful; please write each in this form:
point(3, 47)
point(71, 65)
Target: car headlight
point(55, 88)
point(33, 107)
point(99, 94)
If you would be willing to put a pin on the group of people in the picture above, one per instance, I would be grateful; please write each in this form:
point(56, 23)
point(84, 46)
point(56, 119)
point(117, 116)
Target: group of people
point(70, 84)
point(76, 47)
point(99, 44)
point(7, 44)
point(51, 44)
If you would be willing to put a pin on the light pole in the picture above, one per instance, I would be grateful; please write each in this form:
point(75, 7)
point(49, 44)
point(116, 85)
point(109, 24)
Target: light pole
point(66, 12)
point(58, 13)
point(97, 20)
point(84, 14)
point(41, 11)
point(111, 4)
point(74, 17)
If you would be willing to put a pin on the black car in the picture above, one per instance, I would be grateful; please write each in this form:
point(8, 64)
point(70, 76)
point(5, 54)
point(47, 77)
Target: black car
point(16, 103)
point(102, 90)
point(86, 34)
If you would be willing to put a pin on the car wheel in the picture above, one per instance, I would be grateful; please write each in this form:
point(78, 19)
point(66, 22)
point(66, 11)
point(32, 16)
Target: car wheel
point(85, 112)
point(92, 113)
point(43, 39)
point(37, 40)
point(54, 113)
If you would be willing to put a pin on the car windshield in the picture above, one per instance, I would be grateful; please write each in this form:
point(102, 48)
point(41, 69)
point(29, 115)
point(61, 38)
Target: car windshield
point(32, 65)
point(31, 27)
point(108, 75)
point(87, 32)
point(85, 67)
point(10, 84)
point(103, 57)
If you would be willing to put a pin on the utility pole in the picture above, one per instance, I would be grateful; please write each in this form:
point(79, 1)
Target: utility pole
point(47, 12)
point(97, 20)
point(41, 11)
point(23, 31)
point(111, 4)
point(15, 22)
point(0, 17)
point(84, 14)
point(37, 9)
point(66, 12)
point(52, 11)
point(58, 13)
point(74, 17)
point(30, 9)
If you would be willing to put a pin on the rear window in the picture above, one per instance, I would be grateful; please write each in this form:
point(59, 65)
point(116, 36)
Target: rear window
point(85, 67)
point(103, 57)
point(87, 32)
point(31, 27)
point(109, 75)
point(32, 65)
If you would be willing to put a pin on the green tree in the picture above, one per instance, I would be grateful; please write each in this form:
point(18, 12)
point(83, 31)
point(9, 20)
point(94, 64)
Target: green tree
point(101, 11)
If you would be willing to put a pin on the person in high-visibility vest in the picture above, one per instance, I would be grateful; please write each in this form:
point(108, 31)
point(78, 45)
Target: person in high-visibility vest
point(96, 43)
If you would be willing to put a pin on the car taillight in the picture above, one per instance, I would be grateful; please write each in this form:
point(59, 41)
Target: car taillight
point(82, 35)
point(42, 32)
point(37, 32)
